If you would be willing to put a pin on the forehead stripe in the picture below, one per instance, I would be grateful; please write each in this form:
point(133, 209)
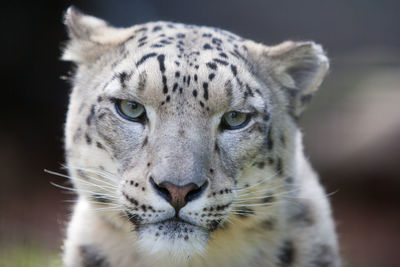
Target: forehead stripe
point(144, 58)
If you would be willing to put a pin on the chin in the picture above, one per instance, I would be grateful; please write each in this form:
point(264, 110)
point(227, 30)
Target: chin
point(173, 240)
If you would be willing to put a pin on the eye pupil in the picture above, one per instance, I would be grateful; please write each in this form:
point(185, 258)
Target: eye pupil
point(132, 105)
point(234, 114)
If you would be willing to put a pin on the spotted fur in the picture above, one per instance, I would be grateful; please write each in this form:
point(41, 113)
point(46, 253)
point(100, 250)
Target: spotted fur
point(258, 201)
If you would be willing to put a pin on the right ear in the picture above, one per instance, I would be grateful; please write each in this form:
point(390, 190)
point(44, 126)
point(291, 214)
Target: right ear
point(90, 37)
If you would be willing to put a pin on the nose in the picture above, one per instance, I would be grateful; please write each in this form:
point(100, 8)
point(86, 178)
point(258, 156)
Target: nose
point(178, 196)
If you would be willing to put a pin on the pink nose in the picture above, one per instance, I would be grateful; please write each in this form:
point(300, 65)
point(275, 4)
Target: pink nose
point(178, 196)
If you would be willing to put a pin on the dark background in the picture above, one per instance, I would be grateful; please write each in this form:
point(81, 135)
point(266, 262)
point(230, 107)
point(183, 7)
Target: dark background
point(352, 128)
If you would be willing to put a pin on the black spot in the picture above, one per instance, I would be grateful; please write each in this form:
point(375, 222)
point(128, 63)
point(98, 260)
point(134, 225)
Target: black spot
point(188, 80)
point(180, 35)
point(180, 90)
point(143, 29)
point(195, 93)
point(165, 87)
point(205, 87)
point(216, 147)
point(99, 99)
point(211, 76)
point(165, 42)
point(99, 145)
point(270, 142)
point(201, 104)
point(177, 74)
point(266, 116)
point(222, 54)
point(145, 57)
point(157, 28)
point(92, 257)
point(88, 139)
point(207, 46)
point(123, 77)
point(174, 87)
point(168, 98)
point(196, 67)
point(211, 65)
point(142, 39)
point(270, 160)
point(156, 46)
point(161, 59)
point(286, 253)
point(249, 91)
point(222, 62)
point(234, 70)
point(208, 35)
point(195, 77)
point(145, 141)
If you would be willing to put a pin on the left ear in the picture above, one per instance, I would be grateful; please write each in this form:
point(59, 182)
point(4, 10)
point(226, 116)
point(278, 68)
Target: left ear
point(90, 37)
point(299, 67)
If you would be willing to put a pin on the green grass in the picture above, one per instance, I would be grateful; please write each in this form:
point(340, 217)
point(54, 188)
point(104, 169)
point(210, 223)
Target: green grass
point(28, 256)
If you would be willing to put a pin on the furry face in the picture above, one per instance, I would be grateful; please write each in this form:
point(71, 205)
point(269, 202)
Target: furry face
point(175, 131)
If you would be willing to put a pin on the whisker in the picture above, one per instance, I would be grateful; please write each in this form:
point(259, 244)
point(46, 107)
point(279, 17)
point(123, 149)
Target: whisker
point(104, 174)
point(111, 189)
point(239, 189)
point(76, 190)
point(69, 177)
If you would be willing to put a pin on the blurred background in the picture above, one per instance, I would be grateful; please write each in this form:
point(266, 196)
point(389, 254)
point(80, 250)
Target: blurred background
point(352, 127)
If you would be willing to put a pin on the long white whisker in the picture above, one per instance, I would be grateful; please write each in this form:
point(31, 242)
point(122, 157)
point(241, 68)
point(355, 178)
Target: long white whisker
point(104, 174)
point(76, 190)
point(105, 188)
point(69, 177)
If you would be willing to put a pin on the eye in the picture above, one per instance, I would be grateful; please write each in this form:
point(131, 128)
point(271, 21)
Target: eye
point(130, 110)
point(235, 120)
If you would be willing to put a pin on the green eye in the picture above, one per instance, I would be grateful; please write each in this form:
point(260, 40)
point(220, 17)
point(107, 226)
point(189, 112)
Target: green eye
point(130, 110)
point(235, 120)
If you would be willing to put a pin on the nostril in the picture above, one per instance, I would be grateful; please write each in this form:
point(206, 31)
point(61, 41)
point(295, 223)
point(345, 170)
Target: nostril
point(195, 193)
point(162, 191)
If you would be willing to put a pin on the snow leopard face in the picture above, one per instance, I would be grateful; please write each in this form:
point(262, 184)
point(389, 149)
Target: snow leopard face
point(175, 130)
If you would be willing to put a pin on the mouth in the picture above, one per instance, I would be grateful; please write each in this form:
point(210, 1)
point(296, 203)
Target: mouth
point(173, 228)
point(173, 237)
